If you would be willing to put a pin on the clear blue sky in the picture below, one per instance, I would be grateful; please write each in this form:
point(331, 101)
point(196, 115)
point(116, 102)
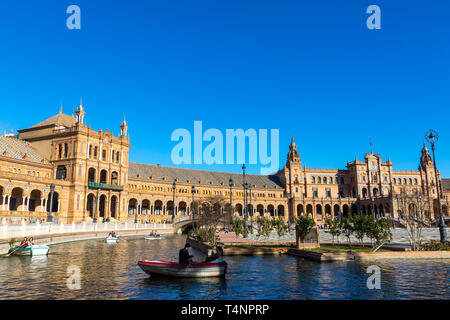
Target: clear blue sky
point(307, 68)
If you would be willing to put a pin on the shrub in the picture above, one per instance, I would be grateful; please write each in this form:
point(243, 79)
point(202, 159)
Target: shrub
point(434, 245)
point(237, 225)
point(280, 225)
point(265, 226)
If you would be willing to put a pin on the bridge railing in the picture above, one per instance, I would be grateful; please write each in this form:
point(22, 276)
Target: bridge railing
point(184, 218)
point(8, 231)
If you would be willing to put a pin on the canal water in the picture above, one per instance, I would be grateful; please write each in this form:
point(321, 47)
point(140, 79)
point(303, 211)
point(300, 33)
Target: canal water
point(109, 271)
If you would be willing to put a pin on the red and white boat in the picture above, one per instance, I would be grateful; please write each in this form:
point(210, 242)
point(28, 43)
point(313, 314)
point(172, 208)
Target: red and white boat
point(215, 268)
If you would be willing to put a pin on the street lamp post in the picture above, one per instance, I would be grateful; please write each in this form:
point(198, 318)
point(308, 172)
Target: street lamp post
point(52, 190)
point(174, 186)
point(95, 211)
point(230, 183)
point(244, 184)
point(432, 137)
point(373, 207)
point(137, 210)
point(251, 208)
point(192, 203)
point(245, 208)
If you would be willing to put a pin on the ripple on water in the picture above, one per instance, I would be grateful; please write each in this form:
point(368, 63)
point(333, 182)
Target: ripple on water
point(110, 272)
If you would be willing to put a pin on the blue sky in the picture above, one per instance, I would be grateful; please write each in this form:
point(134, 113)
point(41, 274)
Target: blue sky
point(311, 69)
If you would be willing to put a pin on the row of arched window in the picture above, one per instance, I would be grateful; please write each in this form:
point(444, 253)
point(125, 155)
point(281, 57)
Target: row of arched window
point(93, 153)
point(326, 180)
point(405, 181)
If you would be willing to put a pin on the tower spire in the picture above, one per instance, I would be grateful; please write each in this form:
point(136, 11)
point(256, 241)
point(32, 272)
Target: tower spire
point(123, 127)
point(80, 113)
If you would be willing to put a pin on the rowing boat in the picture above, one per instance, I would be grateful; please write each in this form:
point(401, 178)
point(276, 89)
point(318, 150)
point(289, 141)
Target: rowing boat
point(153, 237)
point(33, 250)
point(215, 268)
point(112, 239)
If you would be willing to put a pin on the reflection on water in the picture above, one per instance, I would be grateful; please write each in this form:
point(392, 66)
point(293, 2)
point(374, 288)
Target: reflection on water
point(110, 272)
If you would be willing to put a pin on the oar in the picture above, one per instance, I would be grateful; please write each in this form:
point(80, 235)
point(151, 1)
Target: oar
point(10, 253)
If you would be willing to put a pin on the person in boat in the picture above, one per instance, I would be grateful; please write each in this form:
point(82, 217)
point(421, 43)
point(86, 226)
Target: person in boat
point(214, 255)
point(30, 241)
point(184, 256)
point(24, 243)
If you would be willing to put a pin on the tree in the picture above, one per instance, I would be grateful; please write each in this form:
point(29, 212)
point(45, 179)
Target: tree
point(414, 216)
point(209, 215)
point(335, 229)
point(303, 227)
point(370, 229)
point(382, 233)
point(347, 228)
point(360, 226)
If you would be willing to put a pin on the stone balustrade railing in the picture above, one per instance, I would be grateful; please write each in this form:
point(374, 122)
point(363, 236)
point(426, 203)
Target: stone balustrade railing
point(8, 231)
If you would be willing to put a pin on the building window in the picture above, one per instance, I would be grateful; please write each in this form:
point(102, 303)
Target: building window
point(95, 152)
point(313, 179)
point(315, 192)
point(61, 173)
point(104, 155)
point(328, 192)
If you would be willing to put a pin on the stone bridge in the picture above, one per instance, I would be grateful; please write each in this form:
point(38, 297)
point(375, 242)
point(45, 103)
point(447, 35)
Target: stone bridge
point(181, 224)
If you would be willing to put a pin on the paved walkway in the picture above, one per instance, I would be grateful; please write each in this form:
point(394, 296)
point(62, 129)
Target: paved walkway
point(231, 237)
point(399, 235)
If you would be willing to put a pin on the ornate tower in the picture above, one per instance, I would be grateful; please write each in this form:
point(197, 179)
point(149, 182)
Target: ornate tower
point(293, 156)
point(80, 114)
point(293, 170)
point(123, 128)
point(427, 175)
